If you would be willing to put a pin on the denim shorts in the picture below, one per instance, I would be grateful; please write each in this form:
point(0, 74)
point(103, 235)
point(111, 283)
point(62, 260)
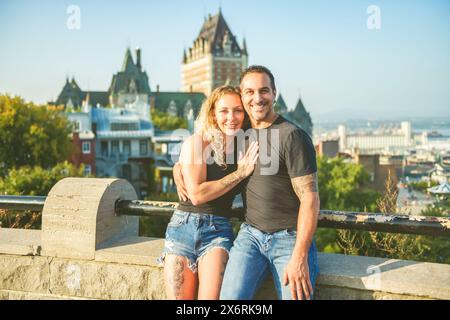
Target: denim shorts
point(192, 235)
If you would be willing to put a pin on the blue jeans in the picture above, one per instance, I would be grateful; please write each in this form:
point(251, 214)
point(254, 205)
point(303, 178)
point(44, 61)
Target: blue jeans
point(192, 235)
point(253, 255)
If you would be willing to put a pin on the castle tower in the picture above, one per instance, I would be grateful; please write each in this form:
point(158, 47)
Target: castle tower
point(130, 83)
point(214, 59)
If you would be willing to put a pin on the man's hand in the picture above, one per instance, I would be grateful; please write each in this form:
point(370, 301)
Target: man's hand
point(296, 275)
point(179, 182)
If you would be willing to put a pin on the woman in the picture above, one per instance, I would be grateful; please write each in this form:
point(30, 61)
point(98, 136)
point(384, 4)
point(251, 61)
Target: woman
point(199, 234)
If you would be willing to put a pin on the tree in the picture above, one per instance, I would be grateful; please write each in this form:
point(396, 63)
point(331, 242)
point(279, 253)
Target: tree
point(164, 121)
point(32, 181)
point(31, 135)
point(36, 181)
point(342, 186)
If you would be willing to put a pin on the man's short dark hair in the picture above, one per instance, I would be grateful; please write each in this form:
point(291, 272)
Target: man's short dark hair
point(259, 69)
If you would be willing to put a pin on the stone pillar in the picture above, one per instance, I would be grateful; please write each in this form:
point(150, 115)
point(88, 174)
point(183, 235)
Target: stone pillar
point(78, 215)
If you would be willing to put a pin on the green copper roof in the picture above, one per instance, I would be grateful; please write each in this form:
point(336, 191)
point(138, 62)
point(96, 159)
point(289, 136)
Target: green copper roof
point(301, 117)
point(300, 108)
point(163, 100)
point(280, 105)
point(130, 78)
point(128, 63)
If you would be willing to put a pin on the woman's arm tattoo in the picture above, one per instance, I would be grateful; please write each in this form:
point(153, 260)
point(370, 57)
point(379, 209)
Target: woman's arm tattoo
point(235, 177)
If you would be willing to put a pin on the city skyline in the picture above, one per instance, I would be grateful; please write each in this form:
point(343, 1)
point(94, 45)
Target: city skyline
point(324, 51)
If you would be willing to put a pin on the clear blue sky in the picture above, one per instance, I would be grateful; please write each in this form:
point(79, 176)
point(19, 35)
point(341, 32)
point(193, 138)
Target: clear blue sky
point(320, 49)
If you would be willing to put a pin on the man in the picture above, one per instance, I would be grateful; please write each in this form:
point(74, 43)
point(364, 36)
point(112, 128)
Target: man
point(281, 207)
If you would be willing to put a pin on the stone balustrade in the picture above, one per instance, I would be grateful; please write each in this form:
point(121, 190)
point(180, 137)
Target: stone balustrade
point(85, 251)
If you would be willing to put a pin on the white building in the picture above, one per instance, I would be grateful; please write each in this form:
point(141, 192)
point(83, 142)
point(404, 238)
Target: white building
point(375, 143)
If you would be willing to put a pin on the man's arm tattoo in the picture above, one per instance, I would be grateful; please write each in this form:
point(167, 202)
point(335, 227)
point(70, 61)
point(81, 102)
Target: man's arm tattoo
point(305, 184)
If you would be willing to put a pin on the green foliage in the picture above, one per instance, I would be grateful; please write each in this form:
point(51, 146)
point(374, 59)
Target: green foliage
point(422, 186)
point(153, 226)
point(31, 135)
point(36, 181)
point(394, 245)
point(436, 210)
point(164, 121)
point(20, 220)
point(32, 182)
point(326, 240)
point(341, 186)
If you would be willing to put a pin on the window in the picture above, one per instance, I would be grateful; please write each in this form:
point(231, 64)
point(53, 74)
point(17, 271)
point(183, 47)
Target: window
point(143, 147)
point(87, 170)
point(114, 147)
point(86, 147)
point(76, 126)
point(127, 147)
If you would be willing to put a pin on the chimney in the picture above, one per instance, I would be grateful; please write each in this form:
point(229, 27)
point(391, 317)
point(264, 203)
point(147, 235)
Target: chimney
point(138, 58)
point(157, 88)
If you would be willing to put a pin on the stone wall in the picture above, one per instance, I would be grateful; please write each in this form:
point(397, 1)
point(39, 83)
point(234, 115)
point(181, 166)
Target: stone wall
point(105, 259)
point(128, 270)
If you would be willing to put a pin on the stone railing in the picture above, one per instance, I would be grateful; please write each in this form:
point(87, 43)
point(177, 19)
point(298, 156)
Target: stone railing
point(87, 251)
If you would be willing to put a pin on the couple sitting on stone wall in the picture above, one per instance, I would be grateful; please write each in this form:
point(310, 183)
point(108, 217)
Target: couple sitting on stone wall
point(273, 165)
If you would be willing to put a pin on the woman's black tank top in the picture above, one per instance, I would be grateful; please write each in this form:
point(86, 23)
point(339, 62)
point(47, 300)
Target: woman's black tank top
point(222, 205)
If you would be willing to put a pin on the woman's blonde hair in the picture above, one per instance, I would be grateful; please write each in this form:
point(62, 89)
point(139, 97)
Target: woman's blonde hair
point(207, 126)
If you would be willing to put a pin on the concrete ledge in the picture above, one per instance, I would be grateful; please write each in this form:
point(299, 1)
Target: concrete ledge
point(398, 277)
point(21, 242)
point(127, 269)
point(324, 292)
point(131, 250)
